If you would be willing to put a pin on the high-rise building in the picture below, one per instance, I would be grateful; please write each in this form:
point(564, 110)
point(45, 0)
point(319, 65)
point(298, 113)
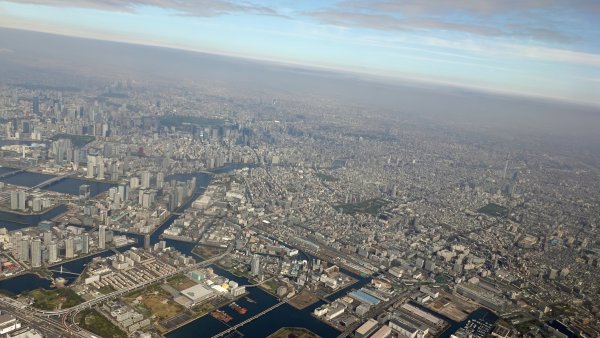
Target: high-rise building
point(22, 198)
point(124, 192)
point(69, 247)
point(36, 253)
point(62, 149)
point(255, 265)
point(14, 200)
point(15, 241)
point(102, 237)
point(52, 252)
point(26, 127)
point(145, 179)
point(114, 171)
point(85, 244)
point(173, 200)
point(24, 250)
point(18, 200)
point(160, 180)
point(91, 164)
point(147, 198)
point(84, 192)
point(134, 182)
point(100, 164)
point(36, 204)
point(35, 105)
point(47, 237)
point(147, 241)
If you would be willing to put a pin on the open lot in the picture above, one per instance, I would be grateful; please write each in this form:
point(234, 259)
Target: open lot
point(181, 282)
point(55, 299)
point(94, 322)
point(293, 332)
point(371, 207)
point(452, 307)
point(494, 210)
point(303, 300)
point(154, 301)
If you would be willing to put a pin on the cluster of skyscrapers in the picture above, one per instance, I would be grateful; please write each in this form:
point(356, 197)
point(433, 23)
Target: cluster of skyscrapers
point(19, 199)
point(95, 167)
point(45, 248)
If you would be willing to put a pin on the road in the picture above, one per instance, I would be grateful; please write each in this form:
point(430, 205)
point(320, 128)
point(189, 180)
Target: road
point(47, 326)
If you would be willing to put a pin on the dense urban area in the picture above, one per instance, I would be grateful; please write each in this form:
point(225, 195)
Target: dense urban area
point(131, 209)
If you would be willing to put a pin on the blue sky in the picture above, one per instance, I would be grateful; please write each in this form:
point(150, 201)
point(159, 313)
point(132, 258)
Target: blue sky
point(548, 48)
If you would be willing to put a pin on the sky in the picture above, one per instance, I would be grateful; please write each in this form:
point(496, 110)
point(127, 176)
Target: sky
point(544, 48)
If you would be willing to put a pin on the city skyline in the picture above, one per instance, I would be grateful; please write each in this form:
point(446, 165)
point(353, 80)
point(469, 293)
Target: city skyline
point(545, 49)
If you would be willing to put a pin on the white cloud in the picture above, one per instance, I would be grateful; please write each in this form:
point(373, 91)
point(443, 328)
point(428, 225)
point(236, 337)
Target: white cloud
point(202, 8)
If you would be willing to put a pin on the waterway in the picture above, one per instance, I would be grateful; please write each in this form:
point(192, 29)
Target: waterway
point(26, 179)
point(206, 326)
point(13, 221)
point(23, 142)
point(6, 170)
point(67, 185)
point(28, 282)
point(71, 186)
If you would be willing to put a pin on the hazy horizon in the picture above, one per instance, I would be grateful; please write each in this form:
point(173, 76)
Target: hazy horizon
point(44, 56)
point(546, 49)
